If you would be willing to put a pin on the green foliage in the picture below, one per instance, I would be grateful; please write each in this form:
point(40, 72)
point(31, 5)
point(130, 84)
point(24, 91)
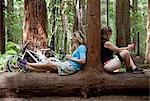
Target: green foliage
point(11, 49)
point(3, 59)
point(112, 19)
point(14, 21)
point(138, 23)
point(13, 52)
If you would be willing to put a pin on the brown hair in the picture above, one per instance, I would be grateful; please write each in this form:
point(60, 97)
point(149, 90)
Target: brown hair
point(104, 33)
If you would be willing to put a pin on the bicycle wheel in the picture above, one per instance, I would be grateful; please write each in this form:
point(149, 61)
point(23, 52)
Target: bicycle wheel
point(12, 64)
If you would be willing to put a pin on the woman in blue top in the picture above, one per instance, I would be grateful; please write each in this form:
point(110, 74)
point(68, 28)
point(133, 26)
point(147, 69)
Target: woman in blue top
point(73, 64)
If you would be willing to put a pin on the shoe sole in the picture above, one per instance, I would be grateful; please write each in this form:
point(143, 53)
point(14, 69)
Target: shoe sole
point(138, 72)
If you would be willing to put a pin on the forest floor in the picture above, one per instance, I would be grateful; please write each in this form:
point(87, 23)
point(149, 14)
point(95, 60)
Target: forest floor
point(101, 98)
point(139, 61)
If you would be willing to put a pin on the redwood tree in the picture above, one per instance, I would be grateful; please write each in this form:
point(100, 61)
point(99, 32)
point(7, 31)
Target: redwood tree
point(122, 22)
point(64, 23)
point(75, 19)
point(79, 15)
point(35, 22)
point(148, 36)
point(93, 35)
point(2, 32)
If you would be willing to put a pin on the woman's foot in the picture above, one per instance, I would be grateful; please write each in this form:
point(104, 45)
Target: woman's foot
point(22, 64)
point(137, 70)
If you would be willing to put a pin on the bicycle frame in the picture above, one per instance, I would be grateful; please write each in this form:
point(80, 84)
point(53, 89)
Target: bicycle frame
point(41, 55)
point(30, 54)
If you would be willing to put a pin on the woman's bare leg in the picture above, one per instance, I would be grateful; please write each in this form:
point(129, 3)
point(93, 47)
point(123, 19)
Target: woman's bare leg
point(50, 66)
point(127, 59)
point(40, 70)
point(132, 63)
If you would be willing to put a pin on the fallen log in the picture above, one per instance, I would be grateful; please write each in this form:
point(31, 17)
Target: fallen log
point(83, 83)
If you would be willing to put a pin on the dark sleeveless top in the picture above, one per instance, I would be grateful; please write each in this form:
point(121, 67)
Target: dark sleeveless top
point(107, 54)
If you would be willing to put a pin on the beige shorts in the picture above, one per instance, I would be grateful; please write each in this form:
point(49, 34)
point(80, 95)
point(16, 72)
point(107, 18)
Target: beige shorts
point(112, 64)
point(65, 68)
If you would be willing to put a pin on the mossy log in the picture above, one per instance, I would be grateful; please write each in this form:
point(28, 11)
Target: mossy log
point(91, 82)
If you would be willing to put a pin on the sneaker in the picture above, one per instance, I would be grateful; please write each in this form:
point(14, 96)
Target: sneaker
point(22, 65)
point(22, 61)
point(138, 70)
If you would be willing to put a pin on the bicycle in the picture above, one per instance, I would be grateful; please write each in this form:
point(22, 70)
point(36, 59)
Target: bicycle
point(31, 56)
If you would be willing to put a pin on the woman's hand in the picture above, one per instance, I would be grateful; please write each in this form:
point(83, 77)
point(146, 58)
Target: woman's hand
point(130, 46)
point(80, 61)
point(69, 57)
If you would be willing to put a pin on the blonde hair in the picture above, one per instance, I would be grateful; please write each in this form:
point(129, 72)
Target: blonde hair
point(80, 37)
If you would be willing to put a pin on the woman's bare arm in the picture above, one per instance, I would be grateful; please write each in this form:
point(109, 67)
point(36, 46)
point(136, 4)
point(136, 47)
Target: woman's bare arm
point(116, 49)
point(80, 61)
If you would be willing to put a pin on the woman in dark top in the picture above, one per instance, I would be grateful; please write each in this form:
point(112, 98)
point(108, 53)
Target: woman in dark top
point(111, 63)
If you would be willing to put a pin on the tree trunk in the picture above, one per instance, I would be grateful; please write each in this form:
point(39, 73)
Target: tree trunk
point(104, 13)
point(107, 3)
point(53, 21)
point(10, 20)
point(2, 32)
point(122, 22)
point(79, 84)
point(93, 33)
point(65, 25)
point(80, 15)
point(78, 10)
point(83, 19)
point(147, 55)
point(134, 23)
point(35, 24)
point(75, 18)
point(135, 18)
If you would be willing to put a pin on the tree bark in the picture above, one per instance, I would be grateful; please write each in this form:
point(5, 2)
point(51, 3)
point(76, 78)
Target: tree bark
point(93, 33)
point(2, 32)
point(122, 22)
point(53, 21)
point(75, 18)
point(65, 25)
point(147, 55)
point(83, 11)
point(79, 84)
point(35, 24)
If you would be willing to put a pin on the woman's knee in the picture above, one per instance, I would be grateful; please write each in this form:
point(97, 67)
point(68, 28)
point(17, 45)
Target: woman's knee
point(124, 53)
